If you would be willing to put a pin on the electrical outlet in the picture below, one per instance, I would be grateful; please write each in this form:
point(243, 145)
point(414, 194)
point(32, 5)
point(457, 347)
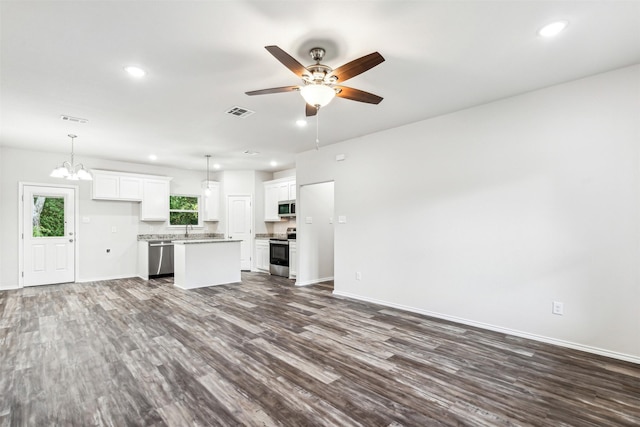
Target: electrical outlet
point(358, 275)
point(557, 308)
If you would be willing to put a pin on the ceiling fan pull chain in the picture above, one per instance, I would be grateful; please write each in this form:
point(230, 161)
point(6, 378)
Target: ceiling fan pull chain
point(317, 127)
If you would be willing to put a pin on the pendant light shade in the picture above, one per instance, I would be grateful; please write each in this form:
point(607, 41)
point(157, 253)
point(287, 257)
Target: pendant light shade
point(71, 171)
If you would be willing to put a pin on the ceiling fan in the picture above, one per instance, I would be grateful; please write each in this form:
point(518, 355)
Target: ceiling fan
point(321, 83)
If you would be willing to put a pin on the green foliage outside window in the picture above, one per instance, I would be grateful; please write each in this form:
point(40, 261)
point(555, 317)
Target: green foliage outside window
point(183, 210)
point(48, 216)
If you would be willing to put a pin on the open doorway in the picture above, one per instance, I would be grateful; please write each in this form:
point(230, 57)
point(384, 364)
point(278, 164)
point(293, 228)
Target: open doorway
point(315, 242)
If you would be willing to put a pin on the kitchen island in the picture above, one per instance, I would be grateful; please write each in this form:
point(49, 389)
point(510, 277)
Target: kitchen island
point(206, 262)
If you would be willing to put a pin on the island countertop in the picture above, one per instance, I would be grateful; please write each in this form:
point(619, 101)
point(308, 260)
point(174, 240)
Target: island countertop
point(197, 241)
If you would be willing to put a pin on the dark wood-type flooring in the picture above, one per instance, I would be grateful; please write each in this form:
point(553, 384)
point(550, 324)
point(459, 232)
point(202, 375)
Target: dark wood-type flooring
point(265, 353)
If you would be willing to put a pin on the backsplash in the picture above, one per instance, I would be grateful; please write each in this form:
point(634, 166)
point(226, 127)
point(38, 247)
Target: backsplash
point(180, 236)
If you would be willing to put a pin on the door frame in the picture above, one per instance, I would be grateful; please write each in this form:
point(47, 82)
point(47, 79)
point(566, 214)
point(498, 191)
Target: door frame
point(251, 225)
point(76, 211)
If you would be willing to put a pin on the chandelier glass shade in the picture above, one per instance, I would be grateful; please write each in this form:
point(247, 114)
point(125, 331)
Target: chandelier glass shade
point(317, 95)
point(70, 170)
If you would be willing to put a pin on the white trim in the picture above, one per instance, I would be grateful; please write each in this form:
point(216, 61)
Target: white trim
point(548, 340)
point(252, 226)
point(102, 279)
point(314, 281)
point(76, 239)
point(10, 289)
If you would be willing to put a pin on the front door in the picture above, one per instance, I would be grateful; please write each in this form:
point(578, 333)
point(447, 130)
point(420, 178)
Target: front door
point(49, 235)
point(239, 226)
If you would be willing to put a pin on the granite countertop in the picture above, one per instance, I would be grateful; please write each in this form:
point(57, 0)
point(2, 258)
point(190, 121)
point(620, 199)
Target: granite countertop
point(193, 236)
point(196, 241)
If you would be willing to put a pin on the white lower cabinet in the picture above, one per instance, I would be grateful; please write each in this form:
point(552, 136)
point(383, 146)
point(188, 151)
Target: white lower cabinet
point(262, 255)
point(293, 259)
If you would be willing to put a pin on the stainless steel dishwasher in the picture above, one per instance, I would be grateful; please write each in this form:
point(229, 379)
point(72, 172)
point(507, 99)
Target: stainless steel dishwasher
point(160, 258)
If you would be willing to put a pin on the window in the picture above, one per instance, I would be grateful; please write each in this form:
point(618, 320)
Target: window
point(184, 210)
point(48, 216)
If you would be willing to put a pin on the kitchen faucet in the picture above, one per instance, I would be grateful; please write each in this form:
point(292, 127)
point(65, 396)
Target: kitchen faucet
point(186, 229)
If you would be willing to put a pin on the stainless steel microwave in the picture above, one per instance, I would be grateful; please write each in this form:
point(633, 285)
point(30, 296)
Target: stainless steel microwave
point(287, 209)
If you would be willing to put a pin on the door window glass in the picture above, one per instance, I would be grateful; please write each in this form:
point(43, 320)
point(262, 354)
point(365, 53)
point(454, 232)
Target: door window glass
point(48, 216)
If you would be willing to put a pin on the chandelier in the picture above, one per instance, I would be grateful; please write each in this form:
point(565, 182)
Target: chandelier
point(70, 170)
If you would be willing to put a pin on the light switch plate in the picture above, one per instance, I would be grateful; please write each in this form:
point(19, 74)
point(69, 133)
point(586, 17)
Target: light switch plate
point(308, 220)
point(86, 220)
point(342, 219)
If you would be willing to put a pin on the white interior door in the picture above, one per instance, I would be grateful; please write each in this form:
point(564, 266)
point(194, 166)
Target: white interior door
point(48, 226)
point(239, 226)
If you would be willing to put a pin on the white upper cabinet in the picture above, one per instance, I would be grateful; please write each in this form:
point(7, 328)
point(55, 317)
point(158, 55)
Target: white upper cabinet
point(155, 199)
point(151, 190)
point(109, 185)
point(211, 201)
point(277, 191)
point(130, 188)
point(271, 203)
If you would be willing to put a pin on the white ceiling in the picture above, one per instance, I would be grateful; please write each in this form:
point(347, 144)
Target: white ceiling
point(67, 57)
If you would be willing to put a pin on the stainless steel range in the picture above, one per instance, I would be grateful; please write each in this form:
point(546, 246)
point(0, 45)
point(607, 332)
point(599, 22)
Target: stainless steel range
point(279, 254)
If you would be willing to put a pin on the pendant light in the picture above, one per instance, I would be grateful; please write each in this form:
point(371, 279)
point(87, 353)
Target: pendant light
point(71, 171)
point(207, 191)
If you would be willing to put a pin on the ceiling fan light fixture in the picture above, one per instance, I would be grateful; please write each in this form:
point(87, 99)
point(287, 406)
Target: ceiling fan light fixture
point(317, 95)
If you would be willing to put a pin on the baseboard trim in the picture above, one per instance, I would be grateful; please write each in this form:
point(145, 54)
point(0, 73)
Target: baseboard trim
point(494, 328)
point(313, 281)
point(101, 279)
point(2, 288)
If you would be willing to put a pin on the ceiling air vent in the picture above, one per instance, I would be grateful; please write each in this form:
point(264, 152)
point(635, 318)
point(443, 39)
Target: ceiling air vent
point(240, 112)
point(73, 119)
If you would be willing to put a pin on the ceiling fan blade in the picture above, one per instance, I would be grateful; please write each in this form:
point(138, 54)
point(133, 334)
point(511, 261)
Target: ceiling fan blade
point(357, 66)
point(358, 95)
point(273, 90)
point(310, 110)
point(287, 60)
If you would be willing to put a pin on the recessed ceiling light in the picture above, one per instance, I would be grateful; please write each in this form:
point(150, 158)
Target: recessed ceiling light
point(273, 163)
point(216, 166)
point(153, 157)
point(553, 29)
point(302, 123)
point(135, 71)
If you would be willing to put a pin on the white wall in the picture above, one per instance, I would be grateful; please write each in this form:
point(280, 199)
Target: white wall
point(315, 239)
point(487, 215)
point(93, 237)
